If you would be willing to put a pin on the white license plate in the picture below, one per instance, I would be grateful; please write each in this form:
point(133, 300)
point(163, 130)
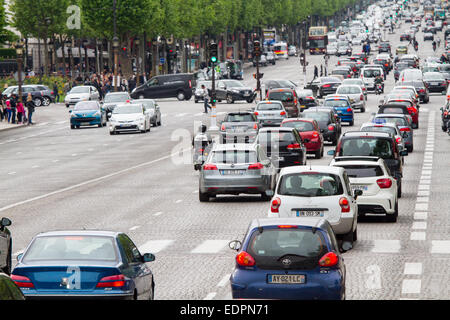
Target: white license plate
point(238, 129)
point(286, 278)
point(85, 123)
point(232, 172)
point(359, 187)
point(309, 213)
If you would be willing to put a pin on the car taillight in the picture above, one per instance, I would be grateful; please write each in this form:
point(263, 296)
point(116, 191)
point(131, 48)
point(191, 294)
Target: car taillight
point(406, 129)
point(210, 167)
point(345, 205)
point(190, 84)
point(326, 85)
point(331, 128)
point(255, 166)
point(282, 113)
point(222, 128)
point(275, 205)
point(384, 183)
point(421, 90)
point(444, 83)
point(349, 109)
point(22, 282)
point(256, 113)
point(293, 146)
point(310, 98)
point(329, 260)
point(244, 259)
point(445, 113)
point(349, 75)
point(116, 281)
point(255, 126)
point(361, 97)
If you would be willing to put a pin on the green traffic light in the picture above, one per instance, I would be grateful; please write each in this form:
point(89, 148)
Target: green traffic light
point(213, 59)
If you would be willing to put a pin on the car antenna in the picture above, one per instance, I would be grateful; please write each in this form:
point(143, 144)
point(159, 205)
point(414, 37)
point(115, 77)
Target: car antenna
point(260, 229)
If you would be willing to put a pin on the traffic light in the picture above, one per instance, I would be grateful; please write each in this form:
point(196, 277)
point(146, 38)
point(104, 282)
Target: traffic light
point(124, 49)
point(257, 48)
point(213, 52)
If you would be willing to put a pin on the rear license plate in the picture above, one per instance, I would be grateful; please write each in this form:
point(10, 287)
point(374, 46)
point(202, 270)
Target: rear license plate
point(125, 125)
point(238, 129)
point(286, 279)
point(359, 187)
point(309, 213)
point(232, 172)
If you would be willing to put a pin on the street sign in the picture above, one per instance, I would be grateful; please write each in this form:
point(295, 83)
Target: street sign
point(16, 76)
point(162, 61)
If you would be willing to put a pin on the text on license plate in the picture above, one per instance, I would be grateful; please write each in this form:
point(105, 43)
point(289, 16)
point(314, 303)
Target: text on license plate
point(358, 187)
point(232, 172)
point(310, 213)
point(286, 278)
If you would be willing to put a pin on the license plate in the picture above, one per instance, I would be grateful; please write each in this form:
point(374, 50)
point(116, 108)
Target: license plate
point(435, 83)
point(358, 187)
point(85, 123)
point(286, 279)
point(232, 172)
point(238, 129)
point(311, 213)
point(125, 125)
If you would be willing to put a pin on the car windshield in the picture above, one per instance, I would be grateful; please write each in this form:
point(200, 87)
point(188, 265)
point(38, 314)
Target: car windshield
point(285, 84)
point(336, 103)
point(363, 171)
point(129, 109)
point(433, 76)
point(207, 84)
point(240, 118)
point(234, 84)
point(86, 106)
point(430, 69)
point(269, 106)
point(284, 96)
point(303, 248)
point(348, 90)
point(380, 129)
point(310, 184)
point(366, 146)
point(318, 116)
point(301, 126)
point(371, 73)
point(80, 90)
point(116, 97)
point(234, 156)
point(71, 248)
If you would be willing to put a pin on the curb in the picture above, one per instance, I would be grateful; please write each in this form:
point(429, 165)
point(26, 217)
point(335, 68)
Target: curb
point(12, 127)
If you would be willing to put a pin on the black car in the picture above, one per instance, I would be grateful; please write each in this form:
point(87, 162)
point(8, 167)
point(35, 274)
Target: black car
point(167, 86)
point(373, 144)
point(329, 124)
point(405, 37)
point(233, 90)
point(306, 99)
point(384, 47)
point(5, 246)
point(421, 89)
point(324, 85)
point(435, 82)
point(42, 95)
point(384, 63)
point(9, 290)
point(283, 145)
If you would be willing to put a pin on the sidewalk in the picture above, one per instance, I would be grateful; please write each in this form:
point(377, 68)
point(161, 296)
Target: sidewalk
point(8, 126)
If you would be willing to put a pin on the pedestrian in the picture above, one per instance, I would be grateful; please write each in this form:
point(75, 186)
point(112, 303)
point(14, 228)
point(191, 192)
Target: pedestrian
point(20, 112)
point(205, 95)
point(13, 104)
point(321, 70)
point(30, 107)
point(56, 92)
point(316, 72)
point(8, 110)
point(3, 115)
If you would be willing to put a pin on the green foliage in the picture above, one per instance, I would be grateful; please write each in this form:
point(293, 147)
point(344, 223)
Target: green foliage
point(7, 53)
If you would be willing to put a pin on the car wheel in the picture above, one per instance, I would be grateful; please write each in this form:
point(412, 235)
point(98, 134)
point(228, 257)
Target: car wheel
point(37, 102)
point(250, 101)
point(334, 142)
point(399, 188)
point(100, 125)
point(229, 99)
point(363, 110)
point(181, 96)
point(203, 197)
point(410, 149)
point(67, 105)
point(72, 127)
point(196, 101)
point(393, 217)
point(78, 127)
point(112, 133)
point(351, 123)
point(46, 101)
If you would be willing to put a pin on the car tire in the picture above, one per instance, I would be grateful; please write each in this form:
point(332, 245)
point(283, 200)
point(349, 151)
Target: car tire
point(363, 110)
point(203, 197)
point(181, 96)
point(229, 99)
point(37, 102)
point(78, 127)
point(410, 149)
point(393, 217)
point(72, 127)
point(67, 106)
point(46, 101)
point(100, 125)
point(250, 101)
point(399, 188)
point(351, 123)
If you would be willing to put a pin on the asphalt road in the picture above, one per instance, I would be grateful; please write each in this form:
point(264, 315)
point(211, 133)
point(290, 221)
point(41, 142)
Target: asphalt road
point(54, 178)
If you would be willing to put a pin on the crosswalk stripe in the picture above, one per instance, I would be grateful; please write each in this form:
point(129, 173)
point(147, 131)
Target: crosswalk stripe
point(386, 246)
point(155, 246)
point(210, 246)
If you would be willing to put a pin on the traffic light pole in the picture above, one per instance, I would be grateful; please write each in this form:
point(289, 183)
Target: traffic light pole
point(258, 81)
point(213, 126)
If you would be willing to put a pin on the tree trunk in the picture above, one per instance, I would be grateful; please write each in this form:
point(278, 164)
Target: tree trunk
point(57, 61)
point(46, 69)
point(63, 55)
point(86, 59)
point(39, 57)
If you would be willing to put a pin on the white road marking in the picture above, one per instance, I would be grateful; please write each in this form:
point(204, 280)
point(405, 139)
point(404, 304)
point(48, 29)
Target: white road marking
point(210, 246)
point(158, 214)
point(134, 228)
point(413, 268)
point(420, 216)
point(441, 246)
point(426, 172)
point(224, 281)
point(423, 199)
point(41, 124)
point(419, 236)
point(74, 154)
point(386, 246)
point(34, 167)
point(210, 296)
point(424, 187)
point(411, 286)
point(54, 161)
point(421, 206)
point(88, 181)
point(425, 181)
point(155, 246)
point(178, 201)
point(198, 114)
point(423, 193)
point(419, 225)
point(61, 122)
point(181, 115)
point(12, 173)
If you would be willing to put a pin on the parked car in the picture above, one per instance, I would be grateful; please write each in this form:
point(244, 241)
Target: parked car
point(42, 95)
point(177, 85)
point(235, 169)
point(288, 259)
point(87, 113)
point(81, 93)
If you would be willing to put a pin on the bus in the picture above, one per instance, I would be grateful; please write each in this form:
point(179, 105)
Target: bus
point(318, 39)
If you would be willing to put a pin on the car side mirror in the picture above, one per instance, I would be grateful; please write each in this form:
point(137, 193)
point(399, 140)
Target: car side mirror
point(148, 257)
point(331, 153)
point(70, 111)
point(5, 222)
point(235, 245)
point(19, 256)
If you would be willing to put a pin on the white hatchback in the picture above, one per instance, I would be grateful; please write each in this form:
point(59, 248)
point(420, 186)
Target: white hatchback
point(317, 191)
point(372, 177)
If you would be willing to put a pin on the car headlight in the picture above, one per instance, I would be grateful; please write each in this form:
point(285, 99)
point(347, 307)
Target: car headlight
point(73, 115)
point(96, 114)
point(235, 91)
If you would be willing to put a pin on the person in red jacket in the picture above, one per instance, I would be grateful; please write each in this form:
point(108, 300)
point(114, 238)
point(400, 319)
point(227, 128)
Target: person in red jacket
point(20, 113)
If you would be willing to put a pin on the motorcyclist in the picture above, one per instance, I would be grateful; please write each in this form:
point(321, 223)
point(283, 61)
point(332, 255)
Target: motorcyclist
point(416, 44)
point(378, 81)
point(201, 143)
point(200, 136)
point(434, 45)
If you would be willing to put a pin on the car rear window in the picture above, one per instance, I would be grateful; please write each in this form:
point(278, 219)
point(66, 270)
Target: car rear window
point(366, 146)
point(348, 90)
point(240, 118)
point(380, 129)
point(392, 110)
point(71, 248)
point(399, 122)
point(301, 126)
point(372, 73)
point(266, 136)
point(303, 247)
point(318, 116)
point(310, 184)
point(234, 156)
point(284, 96)
point(336, 103)
point(363, 171)
point(269, 106)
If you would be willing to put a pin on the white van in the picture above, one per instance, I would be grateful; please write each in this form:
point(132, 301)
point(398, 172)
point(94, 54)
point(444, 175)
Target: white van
point(368, 75)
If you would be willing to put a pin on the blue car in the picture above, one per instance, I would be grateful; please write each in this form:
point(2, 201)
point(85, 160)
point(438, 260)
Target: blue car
point(87, 113)
point(342, 106)
point(84, 264)
point(288, 258)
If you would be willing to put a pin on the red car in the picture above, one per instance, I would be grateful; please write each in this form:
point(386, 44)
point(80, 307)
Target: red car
point(412, 110)
point(310, 132)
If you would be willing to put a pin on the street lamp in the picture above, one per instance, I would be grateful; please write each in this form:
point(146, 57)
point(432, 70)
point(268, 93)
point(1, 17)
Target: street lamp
point(116, 53)
point(19, 52)
point(69, 51)
point(138, 69)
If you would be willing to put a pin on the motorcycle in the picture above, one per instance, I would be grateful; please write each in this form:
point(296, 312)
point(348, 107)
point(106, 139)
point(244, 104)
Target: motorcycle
point(416, 47)
point(378, 88)
point(201, 150)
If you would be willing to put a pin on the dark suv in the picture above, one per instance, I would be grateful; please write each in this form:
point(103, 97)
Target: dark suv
point(329, 124)
point(384, 47)
point(373, 144)
point(167, 86)
point(42, 95)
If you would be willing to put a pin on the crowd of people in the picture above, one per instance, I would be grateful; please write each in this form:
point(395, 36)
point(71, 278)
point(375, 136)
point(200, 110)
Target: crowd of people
point(13, 111)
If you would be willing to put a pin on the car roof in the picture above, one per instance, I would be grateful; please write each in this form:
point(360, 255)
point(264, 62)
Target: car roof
point(234, 146)
point(282, 129)
point(104, 233)
point(357, 134)
point(313, 222)
point(356, 160)
point(391, 115)
point(301, 169)
point(116, 93)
